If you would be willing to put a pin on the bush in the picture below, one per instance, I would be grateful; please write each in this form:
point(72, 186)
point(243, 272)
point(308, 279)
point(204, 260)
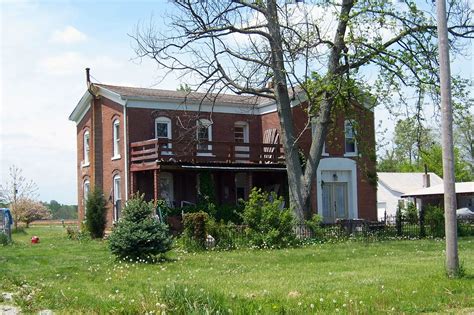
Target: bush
point(3, 239)
point(410, 212)
point(73, 233)
point(96, 213)
point(315, 226)
point(268, 223)
point(434, 217)
point(195, 229)
point(138, 235)
point(230, 213)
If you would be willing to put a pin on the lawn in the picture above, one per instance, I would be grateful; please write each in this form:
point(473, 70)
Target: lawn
point(349, 277)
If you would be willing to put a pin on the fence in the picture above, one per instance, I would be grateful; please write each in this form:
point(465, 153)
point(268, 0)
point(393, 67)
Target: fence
point(390, 227)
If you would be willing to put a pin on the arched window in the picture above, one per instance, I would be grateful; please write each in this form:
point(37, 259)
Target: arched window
point(117, 196)
point(163, 131)
point(86, 140)
point(116, 139)
point(204, 134)
point(86, 189)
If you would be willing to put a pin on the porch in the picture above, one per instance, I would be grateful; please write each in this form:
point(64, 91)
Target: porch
point(149, 154)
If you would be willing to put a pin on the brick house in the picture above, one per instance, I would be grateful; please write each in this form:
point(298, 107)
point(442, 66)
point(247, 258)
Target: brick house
point(159, 142)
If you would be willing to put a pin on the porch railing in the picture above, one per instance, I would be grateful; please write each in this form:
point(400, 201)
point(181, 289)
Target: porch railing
point(156, 150)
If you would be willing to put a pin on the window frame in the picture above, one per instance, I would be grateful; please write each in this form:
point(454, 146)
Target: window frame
point(313, 129)
point(167, 121)
point(86, 148)
point(208, 124)
point(117, 194)
point(350, 123)
point(116, 139)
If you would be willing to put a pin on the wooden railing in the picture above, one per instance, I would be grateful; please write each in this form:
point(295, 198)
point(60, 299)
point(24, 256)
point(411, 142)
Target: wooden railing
point(157, 150)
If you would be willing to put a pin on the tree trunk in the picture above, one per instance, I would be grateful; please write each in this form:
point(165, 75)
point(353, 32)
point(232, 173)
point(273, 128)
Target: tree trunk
point(452, 260)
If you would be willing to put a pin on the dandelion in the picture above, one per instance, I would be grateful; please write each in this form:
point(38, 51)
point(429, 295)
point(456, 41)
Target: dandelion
point(344, 305)
point(334, 301)
point(311, 305)
point(321, 300)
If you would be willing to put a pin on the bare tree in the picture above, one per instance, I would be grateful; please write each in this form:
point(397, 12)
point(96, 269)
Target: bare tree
point(17, 188)
point(281, 51)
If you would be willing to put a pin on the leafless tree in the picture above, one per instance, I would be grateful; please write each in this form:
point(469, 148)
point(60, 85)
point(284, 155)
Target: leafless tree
point(278, 50)
point(17, 188)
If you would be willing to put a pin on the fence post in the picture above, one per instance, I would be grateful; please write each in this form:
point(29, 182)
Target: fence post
point(399, 221)
point(422, 222)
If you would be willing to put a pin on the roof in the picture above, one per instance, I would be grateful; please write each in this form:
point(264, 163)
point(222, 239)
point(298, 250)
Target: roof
point(405, 182)
point(461, 188)
point(127, 92)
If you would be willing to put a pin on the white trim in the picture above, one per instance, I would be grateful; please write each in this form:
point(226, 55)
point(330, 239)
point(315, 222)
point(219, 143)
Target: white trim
point(116, 193)
point(117, 98)
point(81, 108)
point(350, 122)
point(86, 144)
point(205, 122)
point(339, 164)
point(125, 151)
point(116, 139)
point(117, 157)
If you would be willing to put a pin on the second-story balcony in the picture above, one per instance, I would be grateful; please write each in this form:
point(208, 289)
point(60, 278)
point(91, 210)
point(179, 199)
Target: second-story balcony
point(149, 153)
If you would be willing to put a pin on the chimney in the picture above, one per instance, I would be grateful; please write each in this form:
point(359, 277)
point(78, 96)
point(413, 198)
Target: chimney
point(88, 76)
point(426, 178)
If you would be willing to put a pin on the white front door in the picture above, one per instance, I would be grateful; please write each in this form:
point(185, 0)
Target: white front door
point(166, 188)
point(334, 203)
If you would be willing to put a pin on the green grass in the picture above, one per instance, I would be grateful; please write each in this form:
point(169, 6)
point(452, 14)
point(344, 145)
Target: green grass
point(350, 277)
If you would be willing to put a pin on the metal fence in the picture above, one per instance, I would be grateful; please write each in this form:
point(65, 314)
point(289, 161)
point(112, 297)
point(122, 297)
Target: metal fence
point(390, 227)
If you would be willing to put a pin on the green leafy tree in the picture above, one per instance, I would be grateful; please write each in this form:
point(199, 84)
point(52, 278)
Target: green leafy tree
point(138, 235)
point(96, 213)
point(270, 48)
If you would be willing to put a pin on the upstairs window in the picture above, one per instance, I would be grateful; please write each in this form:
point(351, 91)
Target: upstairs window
point(313, 130)
point(204, 134)
point(86, 140)
point(116, 140)
point(350, 139)
point(163, 130)
point(241, 132)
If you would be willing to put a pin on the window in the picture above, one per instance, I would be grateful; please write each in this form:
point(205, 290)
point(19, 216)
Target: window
point(86, 190)
point(204, 134)
point(116, 135)
point(350, 140)
point(86, 148)
point(324, 153)
point(241, 132)
point(163, 131)
point(117, 197)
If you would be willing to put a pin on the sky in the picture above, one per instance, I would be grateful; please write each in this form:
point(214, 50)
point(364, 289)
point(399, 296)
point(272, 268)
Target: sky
point(45, 47)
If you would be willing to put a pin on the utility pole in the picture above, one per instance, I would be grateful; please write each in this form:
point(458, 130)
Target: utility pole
point(452, 259)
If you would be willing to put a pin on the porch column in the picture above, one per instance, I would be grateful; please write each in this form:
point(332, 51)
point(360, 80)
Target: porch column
point(156, 182)
point(132, 184)
point(250, 183)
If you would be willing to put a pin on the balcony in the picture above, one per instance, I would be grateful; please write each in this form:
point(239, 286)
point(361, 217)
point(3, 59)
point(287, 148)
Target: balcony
point(145, 155)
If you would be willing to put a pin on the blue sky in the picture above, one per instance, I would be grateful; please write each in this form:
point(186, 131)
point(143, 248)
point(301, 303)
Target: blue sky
point(45, 46)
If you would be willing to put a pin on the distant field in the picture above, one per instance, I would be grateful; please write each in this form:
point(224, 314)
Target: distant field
point(351, 277)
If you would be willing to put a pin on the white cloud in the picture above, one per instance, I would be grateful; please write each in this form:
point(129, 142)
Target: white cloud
point(73, 62)
point(69, 35)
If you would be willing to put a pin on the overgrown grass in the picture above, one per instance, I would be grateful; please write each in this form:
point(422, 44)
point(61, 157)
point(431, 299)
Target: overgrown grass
point(348, 277)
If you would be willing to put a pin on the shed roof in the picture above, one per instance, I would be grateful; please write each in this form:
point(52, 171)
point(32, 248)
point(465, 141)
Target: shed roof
point(461, 188)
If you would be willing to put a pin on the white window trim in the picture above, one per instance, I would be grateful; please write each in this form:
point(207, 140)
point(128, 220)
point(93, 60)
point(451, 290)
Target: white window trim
point(244, 125)
point(116, 140)
point(167, 121)
point(208, 123)
point(116, 194)
point(355, 153)
point(324, 153)
point(86, 148)
point(84, 194)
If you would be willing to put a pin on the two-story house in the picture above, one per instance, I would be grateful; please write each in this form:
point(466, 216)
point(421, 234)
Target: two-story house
point(159, 142)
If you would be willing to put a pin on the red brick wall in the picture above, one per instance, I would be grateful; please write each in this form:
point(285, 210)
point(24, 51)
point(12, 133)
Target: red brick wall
point(83, 173)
